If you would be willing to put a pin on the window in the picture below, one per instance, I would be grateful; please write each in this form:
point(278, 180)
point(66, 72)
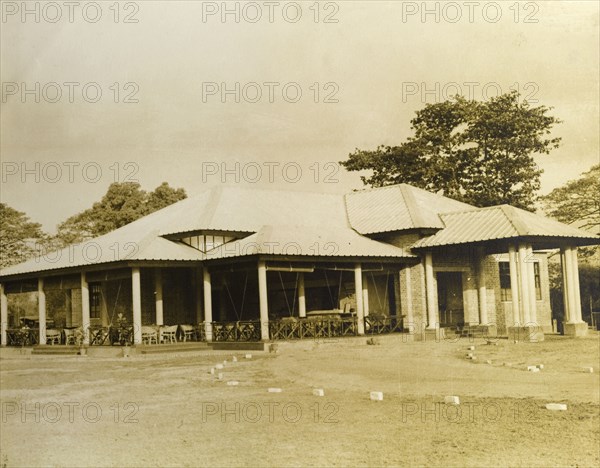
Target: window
point(538, 282)
point(95, 300)
point(206, 243)
point(505, 293)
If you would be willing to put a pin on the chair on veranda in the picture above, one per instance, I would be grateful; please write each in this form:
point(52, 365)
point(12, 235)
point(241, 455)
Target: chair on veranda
point(189, 332)
point(168, 334)
point(53, 336)
point(149, 335)
point(70, 337)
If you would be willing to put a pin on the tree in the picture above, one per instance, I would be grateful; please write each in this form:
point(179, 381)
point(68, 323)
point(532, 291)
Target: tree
point(18, 236)
point(577, 202)
point(163, 196)
point(476, 152)
point(122, 204)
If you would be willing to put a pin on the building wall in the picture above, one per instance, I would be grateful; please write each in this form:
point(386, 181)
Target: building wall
point(504, 309)
point(409, 278)
point(412, 291)
point(466, 261)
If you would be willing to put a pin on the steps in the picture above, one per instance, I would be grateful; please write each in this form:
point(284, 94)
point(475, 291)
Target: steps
point(171, 348)
point(111, 351)
point(55, 350)
point(239, 346)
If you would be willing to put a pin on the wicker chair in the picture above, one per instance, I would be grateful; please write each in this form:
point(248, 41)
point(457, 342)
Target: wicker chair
point(189, 332)
point(168, 334)
point(70, 336)
point(149, 335)
point(53, 336)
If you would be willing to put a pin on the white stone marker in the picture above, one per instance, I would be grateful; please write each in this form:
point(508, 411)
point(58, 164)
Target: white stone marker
point(234, 359)
point(589, 370)
point(225, 362)
point(220, 376)
point(471, 348)
point(532, 369)
point(274, 390)
point(212, 370)
point(232, 382)
point(488, 362)
point(540, 366)
point(248, 356)
point(452, 400)
point(318, 392)
point(469, 355)
point(376, 396)
point(219, 366)
point(556, 407)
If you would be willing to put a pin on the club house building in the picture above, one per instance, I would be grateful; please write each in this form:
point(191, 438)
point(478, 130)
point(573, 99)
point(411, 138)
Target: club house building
point(245, 264)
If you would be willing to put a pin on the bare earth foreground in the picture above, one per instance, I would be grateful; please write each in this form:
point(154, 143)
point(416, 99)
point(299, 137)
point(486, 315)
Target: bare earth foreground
point(167, 410)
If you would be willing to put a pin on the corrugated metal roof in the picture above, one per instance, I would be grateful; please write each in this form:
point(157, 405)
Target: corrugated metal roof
point(303, 222)
point(398, 208)
point(112, 247)
point(246, 210)
point(497, 222)
point(219, 209)
point(307, 241)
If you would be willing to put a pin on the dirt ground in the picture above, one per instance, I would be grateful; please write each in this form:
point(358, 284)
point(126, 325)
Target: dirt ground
point(169, 410)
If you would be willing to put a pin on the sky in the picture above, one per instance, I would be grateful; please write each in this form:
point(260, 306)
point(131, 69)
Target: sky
point(268, 94)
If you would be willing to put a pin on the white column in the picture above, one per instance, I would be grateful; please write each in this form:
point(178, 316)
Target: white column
point(3, 315)
point(409, 300)
point(158, 289)
point(514, 285)
point(301, 296)
point(263, 299)
point(42, 311)
point(432, 318)
point(358, 291)
point(524, 277)
point(85, 309)
point(207, 304)
point(531, 276)
point(576, 287)
point(136, 294)
point(198, 296)
point(570, 285)
point(565, 286)
point(483, 313)
point(365, 294)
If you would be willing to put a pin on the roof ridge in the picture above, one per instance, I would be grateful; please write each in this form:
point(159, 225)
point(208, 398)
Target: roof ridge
point(472, 209)
point(513, 217)
point(216, 193)
point(410, 203)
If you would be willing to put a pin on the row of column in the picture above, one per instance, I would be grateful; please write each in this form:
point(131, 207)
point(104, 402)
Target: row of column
point(361, 301)
point(571, 291)
point(361, 294)
point(85, 308)
point(522, 284)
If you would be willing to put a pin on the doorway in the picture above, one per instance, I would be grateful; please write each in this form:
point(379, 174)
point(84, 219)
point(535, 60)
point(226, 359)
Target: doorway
point(450, 299)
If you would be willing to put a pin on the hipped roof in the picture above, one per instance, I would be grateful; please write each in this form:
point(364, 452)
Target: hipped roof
point(294, 223)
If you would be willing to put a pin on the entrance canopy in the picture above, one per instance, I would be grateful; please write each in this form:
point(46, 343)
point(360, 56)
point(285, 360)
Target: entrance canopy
point(504, 222)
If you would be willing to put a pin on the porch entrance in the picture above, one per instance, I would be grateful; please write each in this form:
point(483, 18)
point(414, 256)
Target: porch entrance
point(450, 299)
